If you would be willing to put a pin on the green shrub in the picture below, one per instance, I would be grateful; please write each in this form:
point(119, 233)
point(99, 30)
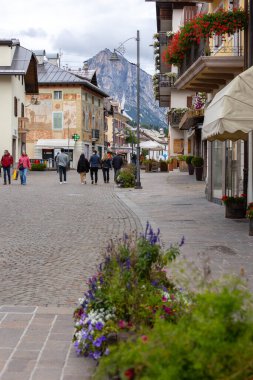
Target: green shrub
point(126, 177)
point(181, 157)
point(198, 162)
point(163, 166)
point(212, 342)
point(189, 159)
point(38, 167)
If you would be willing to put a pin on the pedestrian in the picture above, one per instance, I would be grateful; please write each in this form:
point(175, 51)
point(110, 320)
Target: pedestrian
point(55, 160)
point(62, 162)
point(117, 163)
point(106, 166)
point(134, 159)
point(23, 165)
point(7, 162)
point(83, 167)
point(94, 165)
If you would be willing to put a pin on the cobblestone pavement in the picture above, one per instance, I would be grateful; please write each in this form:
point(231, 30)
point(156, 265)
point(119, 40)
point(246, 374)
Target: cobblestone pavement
point(51, 239)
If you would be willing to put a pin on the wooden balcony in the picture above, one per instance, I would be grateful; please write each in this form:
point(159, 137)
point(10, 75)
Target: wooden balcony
point(22, 125)
point(175, 118)
point(191, 118)
point(209, 68)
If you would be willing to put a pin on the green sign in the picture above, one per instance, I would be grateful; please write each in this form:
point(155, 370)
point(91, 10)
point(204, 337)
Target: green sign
point(75, 137)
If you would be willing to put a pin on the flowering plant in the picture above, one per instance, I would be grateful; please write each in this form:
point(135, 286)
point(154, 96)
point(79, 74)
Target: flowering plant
point(128, 293)
point(249, 212)
point(234, 199)
point(203, 26)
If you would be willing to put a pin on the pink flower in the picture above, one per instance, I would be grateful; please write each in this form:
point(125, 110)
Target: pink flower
point(144, 338)
point(122, 324)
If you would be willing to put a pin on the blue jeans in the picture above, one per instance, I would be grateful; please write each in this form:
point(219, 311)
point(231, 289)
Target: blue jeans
point(22, 174)
point(8, 172)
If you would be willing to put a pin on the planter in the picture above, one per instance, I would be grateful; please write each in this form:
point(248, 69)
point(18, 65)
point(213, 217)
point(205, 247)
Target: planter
point(251, 227)
point(170, 167)
point(174, 163)
point(199, 173)
point(183, 167)
point(235, 210)
point(190, 169)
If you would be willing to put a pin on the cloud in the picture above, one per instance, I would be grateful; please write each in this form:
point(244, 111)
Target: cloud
point(33, 32)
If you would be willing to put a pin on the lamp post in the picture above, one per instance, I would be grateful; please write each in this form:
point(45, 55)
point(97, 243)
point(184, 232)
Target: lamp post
point(114, 57)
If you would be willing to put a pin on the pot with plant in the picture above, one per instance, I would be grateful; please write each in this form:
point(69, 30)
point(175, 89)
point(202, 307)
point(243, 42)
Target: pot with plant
point(188, 160)
point(163, 166)
point(249, 215)
point(235, 206)
point(198, 164)
point(170, 164)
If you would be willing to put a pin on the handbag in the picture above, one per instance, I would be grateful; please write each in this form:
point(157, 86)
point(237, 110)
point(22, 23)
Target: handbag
point(15, 175)
point(21, 167)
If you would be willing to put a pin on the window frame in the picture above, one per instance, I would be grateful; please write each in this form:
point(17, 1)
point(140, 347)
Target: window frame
point(53, 120)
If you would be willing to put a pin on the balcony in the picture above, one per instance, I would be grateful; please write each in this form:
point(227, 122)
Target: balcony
point(22, 125)
point(191, 118)
point(175, 116)
point(206, 68)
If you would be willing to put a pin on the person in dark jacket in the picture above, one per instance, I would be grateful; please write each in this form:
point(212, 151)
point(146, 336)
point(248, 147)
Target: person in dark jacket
point(117, 163)
point(94, 165)
point(7, 162)
point(106, 166)
point(83, 167)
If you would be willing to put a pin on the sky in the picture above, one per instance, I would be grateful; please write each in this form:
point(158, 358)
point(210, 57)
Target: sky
point(79, 29)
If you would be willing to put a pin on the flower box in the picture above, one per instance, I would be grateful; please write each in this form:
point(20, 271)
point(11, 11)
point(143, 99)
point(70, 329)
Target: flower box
point(235, 210)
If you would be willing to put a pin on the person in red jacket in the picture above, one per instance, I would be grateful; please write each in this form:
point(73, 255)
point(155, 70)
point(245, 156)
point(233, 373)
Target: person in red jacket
point(23, 165)
point(7, 162)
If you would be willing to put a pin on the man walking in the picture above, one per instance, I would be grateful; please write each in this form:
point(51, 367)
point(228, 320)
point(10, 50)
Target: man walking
point(117, 163)
point(62, 161)
point(7, 162)
point(94, 165)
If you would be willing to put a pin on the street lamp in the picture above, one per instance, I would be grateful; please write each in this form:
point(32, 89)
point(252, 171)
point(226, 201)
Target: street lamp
point(114, 57)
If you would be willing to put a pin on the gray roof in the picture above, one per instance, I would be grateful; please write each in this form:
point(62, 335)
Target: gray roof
point(52, 74)
point(20, 62)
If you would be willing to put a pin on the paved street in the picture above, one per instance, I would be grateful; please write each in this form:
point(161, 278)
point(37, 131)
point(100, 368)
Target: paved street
point(52, 237)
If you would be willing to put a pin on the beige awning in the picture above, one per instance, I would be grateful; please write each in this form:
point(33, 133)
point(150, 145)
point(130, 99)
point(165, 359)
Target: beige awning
point(229, 116)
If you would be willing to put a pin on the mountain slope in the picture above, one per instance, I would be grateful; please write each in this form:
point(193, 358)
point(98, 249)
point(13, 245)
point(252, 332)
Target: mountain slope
point(118, 79)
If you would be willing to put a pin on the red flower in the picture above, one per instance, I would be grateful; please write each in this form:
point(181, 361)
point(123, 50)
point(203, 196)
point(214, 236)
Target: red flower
point(144, 338)
point(129, 373)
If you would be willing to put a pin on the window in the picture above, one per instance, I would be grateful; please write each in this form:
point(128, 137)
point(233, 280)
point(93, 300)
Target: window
point(92, 99)
point(22, 109)
point(86, 97)
point(57, 95)
point(57, 121)
point(99, 102)
point(15, 106)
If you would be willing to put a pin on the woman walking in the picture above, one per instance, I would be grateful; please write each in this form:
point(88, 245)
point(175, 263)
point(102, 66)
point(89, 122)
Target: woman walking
point(83, 167)
point(23, 165)
point(106, 166)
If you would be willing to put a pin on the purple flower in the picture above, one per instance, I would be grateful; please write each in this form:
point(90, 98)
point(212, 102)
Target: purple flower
point(107, 352)
point(96, 355)
point(99, 326)
point(99, 341)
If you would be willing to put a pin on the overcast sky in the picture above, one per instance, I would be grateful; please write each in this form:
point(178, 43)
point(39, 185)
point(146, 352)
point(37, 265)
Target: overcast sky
point(81, 28)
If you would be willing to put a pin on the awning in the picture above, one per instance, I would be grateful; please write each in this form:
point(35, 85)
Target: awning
point(230, 114)
point(55, 143)
point(151, 145)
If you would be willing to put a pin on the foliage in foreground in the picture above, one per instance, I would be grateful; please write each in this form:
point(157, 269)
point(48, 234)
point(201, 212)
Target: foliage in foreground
point(126, 176)
point(213, 342)
point(128, 293)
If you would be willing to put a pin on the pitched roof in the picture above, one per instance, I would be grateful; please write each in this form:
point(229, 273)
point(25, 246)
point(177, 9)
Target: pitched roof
point(20, 62)
point(52, 74)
